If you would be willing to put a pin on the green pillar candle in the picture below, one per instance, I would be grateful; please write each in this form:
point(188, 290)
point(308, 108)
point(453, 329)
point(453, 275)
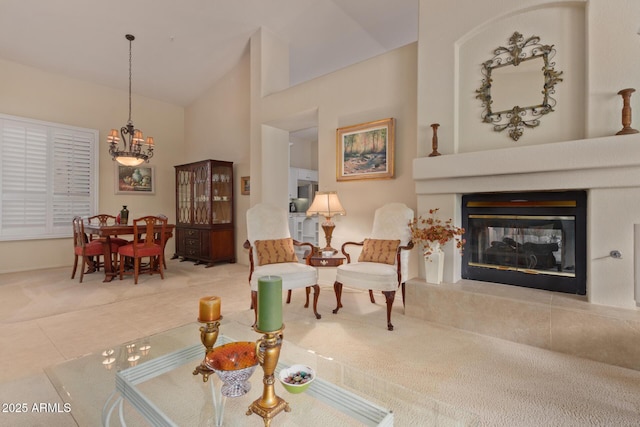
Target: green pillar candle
point(269, 303)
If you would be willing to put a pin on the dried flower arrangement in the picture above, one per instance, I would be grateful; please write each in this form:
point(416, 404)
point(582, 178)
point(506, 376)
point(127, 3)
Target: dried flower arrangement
point(430, 229)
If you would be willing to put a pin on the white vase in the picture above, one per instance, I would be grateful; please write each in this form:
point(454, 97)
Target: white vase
point(434, 264)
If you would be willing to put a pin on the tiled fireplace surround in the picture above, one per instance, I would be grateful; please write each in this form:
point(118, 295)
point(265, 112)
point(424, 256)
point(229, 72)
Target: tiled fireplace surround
point(604, 325)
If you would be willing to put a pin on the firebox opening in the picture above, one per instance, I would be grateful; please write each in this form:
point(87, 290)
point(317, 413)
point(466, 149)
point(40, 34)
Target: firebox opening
point(533, 239)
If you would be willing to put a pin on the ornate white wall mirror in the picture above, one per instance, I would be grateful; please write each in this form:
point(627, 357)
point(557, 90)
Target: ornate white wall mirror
point(517, 85)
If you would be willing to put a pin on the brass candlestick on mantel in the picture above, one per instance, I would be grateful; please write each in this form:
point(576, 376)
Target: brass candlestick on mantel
point(268, 353)
point(434, 141)
point(208, 336)
point(626, 112)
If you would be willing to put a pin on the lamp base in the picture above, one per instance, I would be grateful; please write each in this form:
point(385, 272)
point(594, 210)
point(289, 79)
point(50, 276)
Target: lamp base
point(328, 227)
point(327, 249)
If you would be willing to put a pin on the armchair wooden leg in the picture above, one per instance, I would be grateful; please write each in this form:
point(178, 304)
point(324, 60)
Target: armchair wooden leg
point(289, 296)
point(373, 301)
point(337, 287)
point(316, 294)
point(254, 305)
point(306, 291)
point(403, 303)
point(390, 296)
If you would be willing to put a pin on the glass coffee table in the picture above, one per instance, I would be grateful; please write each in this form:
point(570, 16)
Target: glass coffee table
point(150, 382)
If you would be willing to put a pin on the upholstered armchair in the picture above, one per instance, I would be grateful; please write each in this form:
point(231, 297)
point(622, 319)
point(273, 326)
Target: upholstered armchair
point(384, 258)
point(271, 253)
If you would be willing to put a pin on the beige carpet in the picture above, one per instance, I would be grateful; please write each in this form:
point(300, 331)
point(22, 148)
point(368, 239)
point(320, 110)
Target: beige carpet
point(46, 318)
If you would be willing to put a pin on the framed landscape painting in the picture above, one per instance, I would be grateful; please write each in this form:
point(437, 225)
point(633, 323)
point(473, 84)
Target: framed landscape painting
point(135, 179)
point(366, 151)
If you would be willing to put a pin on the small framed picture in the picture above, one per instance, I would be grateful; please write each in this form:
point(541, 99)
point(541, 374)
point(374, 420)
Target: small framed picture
point(366, 151)
point(245, 184)
point(135, 179)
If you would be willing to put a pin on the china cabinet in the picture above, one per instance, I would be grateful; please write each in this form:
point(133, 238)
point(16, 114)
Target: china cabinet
point(205, 230)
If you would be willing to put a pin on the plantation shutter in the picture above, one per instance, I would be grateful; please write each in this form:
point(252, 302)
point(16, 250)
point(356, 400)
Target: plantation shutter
point(45, 177)
point(72, 177)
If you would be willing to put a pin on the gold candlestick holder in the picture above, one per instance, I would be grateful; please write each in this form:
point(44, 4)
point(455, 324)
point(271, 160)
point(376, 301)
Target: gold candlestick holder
point(268, 353)
point(208, 335)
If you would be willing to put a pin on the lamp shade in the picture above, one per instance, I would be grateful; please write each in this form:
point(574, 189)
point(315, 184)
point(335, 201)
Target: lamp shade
point(326, 204)
point(113, 136)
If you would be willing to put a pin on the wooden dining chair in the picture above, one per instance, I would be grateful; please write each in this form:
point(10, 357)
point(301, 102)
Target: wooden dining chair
point(145, 245)
point(116, 242)
point(106, 219)
point(157, 237)
point(89, 251)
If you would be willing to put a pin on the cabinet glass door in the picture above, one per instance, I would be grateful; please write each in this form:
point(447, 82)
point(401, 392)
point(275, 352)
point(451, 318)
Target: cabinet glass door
point(201, 205)
point(184, 196)
point(222, 187)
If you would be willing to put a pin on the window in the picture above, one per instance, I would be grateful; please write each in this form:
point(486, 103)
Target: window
point(46, 177)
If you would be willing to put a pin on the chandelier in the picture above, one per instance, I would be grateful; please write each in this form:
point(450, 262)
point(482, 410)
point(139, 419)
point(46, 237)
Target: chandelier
point(131, 154)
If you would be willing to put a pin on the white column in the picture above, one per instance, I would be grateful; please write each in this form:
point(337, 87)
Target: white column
point(636, 263)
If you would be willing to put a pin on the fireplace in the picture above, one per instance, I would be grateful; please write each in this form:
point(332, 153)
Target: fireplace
point(530, 239)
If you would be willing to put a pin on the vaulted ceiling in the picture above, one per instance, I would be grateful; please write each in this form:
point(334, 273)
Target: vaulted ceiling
point(183, 46)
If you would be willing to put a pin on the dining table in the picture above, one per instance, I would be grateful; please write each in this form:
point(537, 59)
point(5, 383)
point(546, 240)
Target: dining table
point(105, 232)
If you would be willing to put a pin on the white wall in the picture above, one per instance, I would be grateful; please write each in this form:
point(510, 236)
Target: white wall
point(217, 127)
point(340, 99)
point(613, 48)
point(304, 155)
point(606, 40)
point(567, 122)
point(32, 93)
point(375, 89)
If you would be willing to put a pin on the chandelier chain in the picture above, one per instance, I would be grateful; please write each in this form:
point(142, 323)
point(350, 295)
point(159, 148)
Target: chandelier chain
point(130, 60)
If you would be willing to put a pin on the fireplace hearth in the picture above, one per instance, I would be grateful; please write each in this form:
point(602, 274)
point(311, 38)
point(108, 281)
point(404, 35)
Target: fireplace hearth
point(530, 239)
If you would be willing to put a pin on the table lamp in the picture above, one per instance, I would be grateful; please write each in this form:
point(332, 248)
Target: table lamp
point(326, 204)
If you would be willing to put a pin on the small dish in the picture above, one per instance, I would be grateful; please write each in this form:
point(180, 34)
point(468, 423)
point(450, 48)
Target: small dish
point(296, 378)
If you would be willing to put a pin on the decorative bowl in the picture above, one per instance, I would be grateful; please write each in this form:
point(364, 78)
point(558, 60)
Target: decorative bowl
point(234, 363)
point(296, 378)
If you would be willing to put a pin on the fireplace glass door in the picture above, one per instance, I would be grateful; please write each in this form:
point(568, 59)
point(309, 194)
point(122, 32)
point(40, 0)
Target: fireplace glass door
point(536, 240)
point(531, 244)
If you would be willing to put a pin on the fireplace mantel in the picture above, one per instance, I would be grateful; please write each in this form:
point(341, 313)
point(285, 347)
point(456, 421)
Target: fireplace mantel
point(608, 168)
point(612, 161)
